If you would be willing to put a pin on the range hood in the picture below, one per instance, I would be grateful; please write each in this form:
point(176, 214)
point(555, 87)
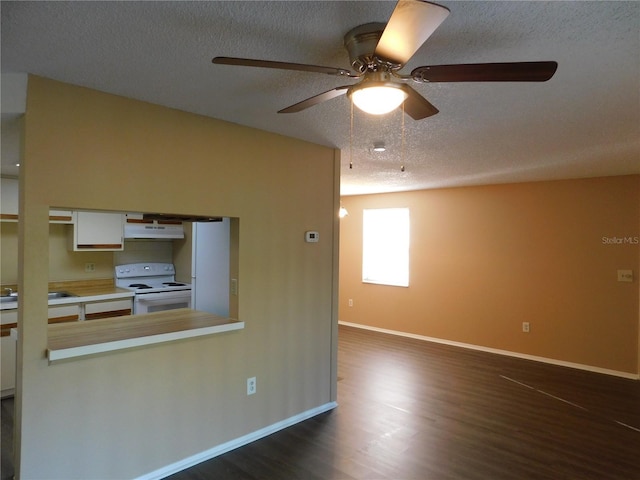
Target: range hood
point(153, 230)
point(159, 226)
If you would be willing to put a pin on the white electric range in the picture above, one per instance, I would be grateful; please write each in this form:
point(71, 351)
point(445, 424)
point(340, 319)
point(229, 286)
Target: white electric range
point(154, 286)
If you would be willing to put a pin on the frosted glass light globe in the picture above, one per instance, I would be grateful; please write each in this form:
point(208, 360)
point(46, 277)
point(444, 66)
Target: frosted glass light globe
point(378, 100)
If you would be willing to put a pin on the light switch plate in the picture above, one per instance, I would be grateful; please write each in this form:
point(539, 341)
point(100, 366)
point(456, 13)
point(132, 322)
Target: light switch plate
point(625, 275)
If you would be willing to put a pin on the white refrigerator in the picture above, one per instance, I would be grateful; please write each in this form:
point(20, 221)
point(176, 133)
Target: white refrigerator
point(210, 267)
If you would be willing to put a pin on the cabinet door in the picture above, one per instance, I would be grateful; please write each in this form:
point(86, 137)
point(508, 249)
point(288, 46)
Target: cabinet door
point(9, 319)
point(8, 353)
point(64, 313)
point(108, 309)
point(60, 216)
point(98, 231)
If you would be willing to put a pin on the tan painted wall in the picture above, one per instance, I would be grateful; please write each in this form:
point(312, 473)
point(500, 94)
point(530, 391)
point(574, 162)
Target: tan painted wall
point(68, 265)
point(123, 415)
point(63, 264)
point(486, 259)
point(8, 253)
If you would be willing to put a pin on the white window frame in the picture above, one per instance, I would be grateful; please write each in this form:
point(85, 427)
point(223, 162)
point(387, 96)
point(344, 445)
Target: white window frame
point(385, 246)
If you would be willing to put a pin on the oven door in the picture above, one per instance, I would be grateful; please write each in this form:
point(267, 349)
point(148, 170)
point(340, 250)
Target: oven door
point(157, 302)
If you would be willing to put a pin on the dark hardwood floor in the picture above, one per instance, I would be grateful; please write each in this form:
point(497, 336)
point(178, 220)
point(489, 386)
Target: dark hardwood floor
point(410, 409)
point(6, 437)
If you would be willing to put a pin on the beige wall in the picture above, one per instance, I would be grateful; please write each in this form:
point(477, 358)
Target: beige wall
point(68, 265)
point(486, 259)
point(64, 264)
point(125, 414)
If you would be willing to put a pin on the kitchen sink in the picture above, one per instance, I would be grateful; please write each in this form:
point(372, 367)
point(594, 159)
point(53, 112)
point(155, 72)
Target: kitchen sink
point(53, 295)
point(13, 297)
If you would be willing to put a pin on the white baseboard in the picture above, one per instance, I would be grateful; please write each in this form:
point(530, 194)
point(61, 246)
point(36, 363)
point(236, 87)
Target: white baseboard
point(508, 353)
point(236, 443)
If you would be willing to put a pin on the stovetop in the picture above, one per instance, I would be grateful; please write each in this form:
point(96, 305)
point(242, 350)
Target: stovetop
point(148, 277)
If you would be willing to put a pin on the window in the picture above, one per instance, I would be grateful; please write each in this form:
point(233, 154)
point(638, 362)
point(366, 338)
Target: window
point(385, 246)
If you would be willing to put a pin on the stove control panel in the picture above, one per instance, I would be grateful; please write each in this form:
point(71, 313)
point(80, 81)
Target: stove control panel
point(144, 270)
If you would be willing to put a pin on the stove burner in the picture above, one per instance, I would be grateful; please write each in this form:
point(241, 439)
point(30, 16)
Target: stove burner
point(173, 284)
point(140, 285)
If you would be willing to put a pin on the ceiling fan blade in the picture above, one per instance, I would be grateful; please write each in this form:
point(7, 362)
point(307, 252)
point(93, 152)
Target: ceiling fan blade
point(248, 62)
point(411, 23)
point(486, 72)
point(416, 106)
point(315, 100)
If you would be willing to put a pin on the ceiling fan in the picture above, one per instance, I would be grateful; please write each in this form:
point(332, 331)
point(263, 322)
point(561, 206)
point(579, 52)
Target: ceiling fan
point(378, 52)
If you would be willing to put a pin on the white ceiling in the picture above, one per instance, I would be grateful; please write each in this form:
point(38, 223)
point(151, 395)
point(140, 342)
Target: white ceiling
point(583, 122)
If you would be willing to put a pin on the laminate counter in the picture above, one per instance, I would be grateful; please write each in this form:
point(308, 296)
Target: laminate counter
point(84, 291)
point(81, 339)
point(88, 291)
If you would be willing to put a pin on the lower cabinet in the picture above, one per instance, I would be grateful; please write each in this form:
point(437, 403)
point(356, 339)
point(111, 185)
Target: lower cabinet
point(109, 308)
point(8, 372)
point(9, 319)
point(64, 313)
point(57, 314)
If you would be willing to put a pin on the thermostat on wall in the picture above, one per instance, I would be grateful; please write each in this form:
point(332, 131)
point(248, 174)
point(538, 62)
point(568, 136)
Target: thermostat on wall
point(311, 237)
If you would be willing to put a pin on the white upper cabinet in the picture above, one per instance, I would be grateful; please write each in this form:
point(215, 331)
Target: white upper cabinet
point(60, 216)
point(9, 204)
point(9, 199)
point(97, 231)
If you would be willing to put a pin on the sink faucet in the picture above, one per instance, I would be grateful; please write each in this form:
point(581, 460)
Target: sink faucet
point(8, 291)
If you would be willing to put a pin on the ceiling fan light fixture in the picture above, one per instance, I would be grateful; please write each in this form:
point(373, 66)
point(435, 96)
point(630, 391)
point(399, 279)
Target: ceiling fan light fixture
point(377, 94)
point(378, 99)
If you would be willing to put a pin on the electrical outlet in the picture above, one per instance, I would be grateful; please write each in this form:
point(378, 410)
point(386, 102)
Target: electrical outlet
point(234, 286)
point(251, 385)
point(526, 328)
point(351, 302)
point(625, 275)
point(89, 267)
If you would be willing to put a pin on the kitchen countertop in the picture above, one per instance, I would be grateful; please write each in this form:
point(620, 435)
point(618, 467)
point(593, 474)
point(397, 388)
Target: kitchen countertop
point(86, 291)
point(81, 339)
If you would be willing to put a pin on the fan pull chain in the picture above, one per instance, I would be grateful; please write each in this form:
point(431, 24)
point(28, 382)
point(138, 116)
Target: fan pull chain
point(351, 139)
point(402, 147)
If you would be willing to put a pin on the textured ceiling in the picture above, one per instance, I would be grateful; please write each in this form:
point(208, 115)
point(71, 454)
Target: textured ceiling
point(583, 122)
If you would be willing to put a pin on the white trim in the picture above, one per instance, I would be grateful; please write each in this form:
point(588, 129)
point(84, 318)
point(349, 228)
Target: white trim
point(562, 363)
point(236, 443)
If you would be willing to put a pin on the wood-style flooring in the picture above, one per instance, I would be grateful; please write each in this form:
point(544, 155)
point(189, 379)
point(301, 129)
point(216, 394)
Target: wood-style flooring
point(410, 409)
point(6, 437)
